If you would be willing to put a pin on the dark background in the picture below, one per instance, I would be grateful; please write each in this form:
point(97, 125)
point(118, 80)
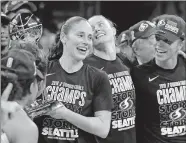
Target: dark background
point(123, 13)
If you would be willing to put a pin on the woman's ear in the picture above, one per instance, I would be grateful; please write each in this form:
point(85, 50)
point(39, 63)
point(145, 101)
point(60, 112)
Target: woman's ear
point(114, 31)
point(181, 44)
point(63, 38)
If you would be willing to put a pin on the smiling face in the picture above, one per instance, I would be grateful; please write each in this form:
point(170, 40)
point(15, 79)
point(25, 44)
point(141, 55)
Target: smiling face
point(102, 30)
point(78, 40)
point(165, 51)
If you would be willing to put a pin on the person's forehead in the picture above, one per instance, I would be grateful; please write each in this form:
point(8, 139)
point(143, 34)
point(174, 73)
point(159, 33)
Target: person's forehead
point(97, 19)
point(82, 26)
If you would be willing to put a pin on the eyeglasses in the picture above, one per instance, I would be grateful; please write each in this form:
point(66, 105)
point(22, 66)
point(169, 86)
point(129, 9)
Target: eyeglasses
point(164, 39)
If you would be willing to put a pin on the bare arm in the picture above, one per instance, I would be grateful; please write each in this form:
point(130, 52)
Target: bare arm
point(98, 125)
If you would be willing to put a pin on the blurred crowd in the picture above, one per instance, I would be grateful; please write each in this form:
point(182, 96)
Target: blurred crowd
point(51, 25)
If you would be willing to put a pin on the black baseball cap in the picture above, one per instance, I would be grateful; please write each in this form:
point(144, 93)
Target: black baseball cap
point(141, 30)
point(171, 27)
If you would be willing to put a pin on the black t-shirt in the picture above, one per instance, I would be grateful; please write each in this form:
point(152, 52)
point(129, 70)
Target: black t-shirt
point(85, 92)
point(161, 103)
point(122, 129)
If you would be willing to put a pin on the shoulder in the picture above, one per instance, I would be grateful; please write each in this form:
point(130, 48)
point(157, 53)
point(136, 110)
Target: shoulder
point(95, 72)
point(145, 68)
point(139, 72)
point(90, 59)
point(125, 61)
point(182, 60)
point(95, 75)
point(20, 127)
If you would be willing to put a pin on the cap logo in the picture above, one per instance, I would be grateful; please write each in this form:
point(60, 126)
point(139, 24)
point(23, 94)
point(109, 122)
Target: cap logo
point(171, 28)
point(123, 37)
point(143, 26)
point(161, 23)
point(9, 62)
point(132, 35)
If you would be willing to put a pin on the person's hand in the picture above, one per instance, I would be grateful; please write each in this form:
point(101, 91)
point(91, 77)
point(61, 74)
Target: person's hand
point(182, 53)
point(8, 107)
point(58, 111)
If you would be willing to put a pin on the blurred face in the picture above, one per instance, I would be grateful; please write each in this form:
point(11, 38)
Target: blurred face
point(166, 50)
point(4, 36)
point(78, 40)
point(102, 30)
point(146, 48)
point(34, 91)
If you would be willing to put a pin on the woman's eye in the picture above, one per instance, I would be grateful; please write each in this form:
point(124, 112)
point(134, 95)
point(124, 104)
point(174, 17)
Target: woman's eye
point(80, 35)
point(90, 38)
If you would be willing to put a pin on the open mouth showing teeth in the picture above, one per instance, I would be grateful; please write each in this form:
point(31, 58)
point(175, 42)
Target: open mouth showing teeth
point(160, 51)
point(82, 49)
point(4, 38)
point(100, 35)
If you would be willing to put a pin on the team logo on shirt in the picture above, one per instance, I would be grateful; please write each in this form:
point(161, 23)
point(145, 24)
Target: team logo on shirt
point(74, 98)
point(126, 104)
point(178, 114)
point(172, 108)
point(123, 113)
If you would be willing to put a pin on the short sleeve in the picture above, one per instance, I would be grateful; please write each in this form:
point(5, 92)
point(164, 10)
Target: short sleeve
point(102, 93)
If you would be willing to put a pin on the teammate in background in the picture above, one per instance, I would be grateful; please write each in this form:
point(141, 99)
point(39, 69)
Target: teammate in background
point(143, 41)
point(160, 87)
point(122, 127)
point(5, 38)
point(14, 7)
point(19, 69)
point(81, 88)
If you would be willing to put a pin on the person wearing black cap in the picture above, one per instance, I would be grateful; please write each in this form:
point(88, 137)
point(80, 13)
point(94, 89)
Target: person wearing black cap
point(5, 38)
point(143, 41)
point(18, 68)
point(161, 86)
